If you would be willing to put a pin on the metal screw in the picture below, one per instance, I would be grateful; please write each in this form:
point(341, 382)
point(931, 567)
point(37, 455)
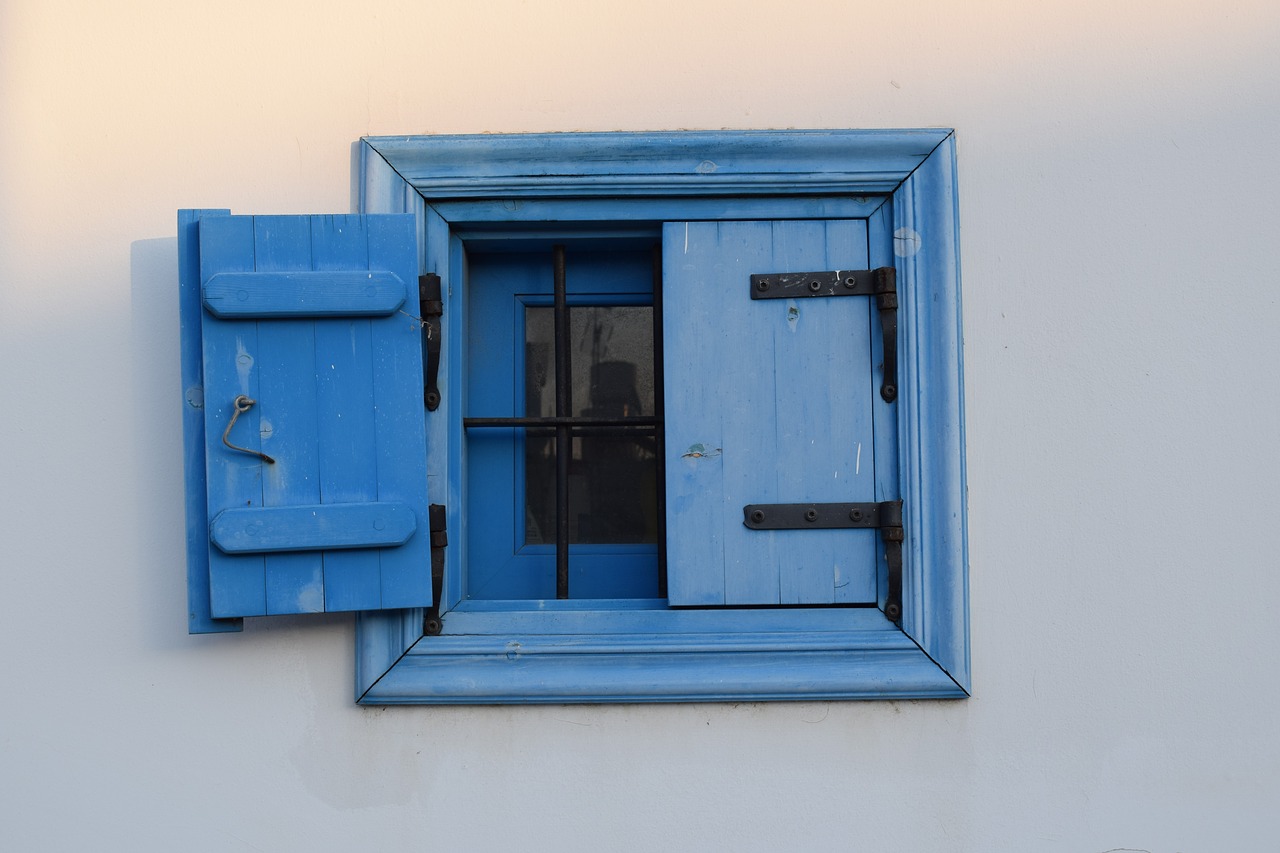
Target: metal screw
point(814, 286)
point(762, 285)
point(757, 515)
point(893, 611)
point(849, 282)
point(855, 515)
point(810, 514)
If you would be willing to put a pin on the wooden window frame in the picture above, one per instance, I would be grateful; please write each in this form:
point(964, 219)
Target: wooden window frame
point(636, 653)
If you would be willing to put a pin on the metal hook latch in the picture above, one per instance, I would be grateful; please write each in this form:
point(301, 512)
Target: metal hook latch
point(243, 404)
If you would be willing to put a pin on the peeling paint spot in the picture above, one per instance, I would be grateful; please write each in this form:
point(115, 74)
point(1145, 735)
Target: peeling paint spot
point(706, 167)
point(793, 314)
point(700, 451)
point(906, 242)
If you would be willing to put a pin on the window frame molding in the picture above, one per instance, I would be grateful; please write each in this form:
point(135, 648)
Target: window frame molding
point(631, 655)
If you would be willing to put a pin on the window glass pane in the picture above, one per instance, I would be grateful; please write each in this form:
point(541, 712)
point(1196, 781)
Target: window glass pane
point(613, 473)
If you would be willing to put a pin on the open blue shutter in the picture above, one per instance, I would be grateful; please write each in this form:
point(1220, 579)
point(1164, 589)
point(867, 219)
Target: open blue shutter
point(309, 318)
point(770, 401)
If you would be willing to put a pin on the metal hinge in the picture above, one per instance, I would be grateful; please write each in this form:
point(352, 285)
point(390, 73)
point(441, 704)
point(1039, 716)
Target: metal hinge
point(430, 309)
point(431, 624)
point(882, 283)
point(885, 515)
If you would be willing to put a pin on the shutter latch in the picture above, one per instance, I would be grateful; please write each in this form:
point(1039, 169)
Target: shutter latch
point(431, 624)
point(430, 309)
point(880, 283)
point(886, 515)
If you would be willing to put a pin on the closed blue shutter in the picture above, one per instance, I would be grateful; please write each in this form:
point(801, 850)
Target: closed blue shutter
point(310, 318)
point(770, 401)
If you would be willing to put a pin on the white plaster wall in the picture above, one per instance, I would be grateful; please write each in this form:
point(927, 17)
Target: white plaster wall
point(1119, 208)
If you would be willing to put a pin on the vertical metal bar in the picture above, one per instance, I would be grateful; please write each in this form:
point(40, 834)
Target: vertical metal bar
point(660, 443)
point(564, 409)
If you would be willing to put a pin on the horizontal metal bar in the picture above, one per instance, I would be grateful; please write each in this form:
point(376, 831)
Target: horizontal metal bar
point(819, 516)
point(570, 422)
point(791, 285)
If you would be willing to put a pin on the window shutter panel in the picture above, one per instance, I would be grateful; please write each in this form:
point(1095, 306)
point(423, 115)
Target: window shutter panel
point(309, 318)
point(769, 401)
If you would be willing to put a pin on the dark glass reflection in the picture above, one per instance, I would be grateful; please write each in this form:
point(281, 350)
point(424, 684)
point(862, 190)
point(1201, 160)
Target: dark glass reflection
point(613, 482)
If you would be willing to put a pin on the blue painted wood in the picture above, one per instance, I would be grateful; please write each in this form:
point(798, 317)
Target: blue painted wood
point(345, 410)
point(759, 162)
point(199, 617)
point(559, 210)
point(573, 649)
point(338, 406)
point(670, 668)
point(329, 293)
point(238, 585)
point(926, 243)
point(398, 422)
point(313, 528)
point(884, 414)
point(767, 401)
point(286, 408)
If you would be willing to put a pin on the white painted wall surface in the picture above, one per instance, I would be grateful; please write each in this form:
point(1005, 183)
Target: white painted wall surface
point(1119, 206)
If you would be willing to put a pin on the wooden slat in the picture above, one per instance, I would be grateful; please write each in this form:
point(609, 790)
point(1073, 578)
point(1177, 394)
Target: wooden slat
point(286, 406)
point(321, 293)
point(313, 528)
point(405, 572)
point(231, 368)
point(345, 401)
point(199, 616)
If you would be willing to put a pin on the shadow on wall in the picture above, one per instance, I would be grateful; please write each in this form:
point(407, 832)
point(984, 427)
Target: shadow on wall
point(156, 416)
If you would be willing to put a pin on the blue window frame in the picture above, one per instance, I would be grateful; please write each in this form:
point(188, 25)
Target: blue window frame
point(772, 401)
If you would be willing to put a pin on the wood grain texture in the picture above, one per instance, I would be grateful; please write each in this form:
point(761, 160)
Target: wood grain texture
point(786, 162)
point(315, 527)
point(767, 402)
point(340, 293)
point(567, 654)
point(199, 616)
point(337, 405)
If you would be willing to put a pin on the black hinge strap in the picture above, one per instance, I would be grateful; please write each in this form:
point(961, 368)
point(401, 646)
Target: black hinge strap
point(885, 515)
point(439, 539)
point(887, 301)
point(430, 309)
point(892, 532)
point(882, 283)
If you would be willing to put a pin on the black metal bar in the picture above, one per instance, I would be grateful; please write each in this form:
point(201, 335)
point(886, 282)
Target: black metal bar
point(564, 409)
point(892, 532)
point(431, 624)
point(572, 423)
point(887, 300)
point(793, 285)
point(659, 409)
point(430, 309)
point(816, 516)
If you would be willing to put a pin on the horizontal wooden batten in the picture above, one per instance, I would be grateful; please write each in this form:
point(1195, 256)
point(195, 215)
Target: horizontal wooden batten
point(329, 293)
point(313, 528)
